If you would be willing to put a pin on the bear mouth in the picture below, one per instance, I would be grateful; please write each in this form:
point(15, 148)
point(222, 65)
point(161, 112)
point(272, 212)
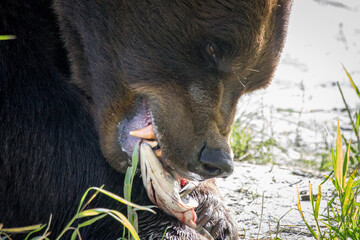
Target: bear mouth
point(164, 187)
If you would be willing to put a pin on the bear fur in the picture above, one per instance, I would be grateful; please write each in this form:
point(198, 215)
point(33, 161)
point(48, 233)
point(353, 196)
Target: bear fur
point(77, 70)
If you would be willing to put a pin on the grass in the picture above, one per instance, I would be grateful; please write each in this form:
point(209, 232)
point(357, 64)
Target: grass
point(128, 182)
point(249, 144)
point(341, 216)
point(241, 139)
point(85, 217)
point(7, 37)
point(90, 216)
point(354, 121)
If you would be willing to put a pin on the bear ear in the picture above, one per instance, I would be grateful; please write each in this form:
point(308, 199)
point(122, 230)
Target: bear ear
point(270, 54)
point(74, 46)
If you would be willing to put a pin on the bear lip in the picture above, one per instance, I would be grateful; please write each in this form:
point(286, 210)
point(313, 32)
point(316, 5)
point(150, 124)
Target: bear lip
point(137, 118)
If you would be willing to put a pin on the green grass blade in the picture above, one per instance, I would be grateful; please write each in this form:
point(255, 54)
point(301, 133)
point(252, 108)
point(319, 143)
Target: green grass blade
point(34, 231)
point(333, 159)
point(352, 149)
point(349, 192)
point(327, 177)
point(302, 215)
point(90, 199)
point(333, 182)
point(339, 162)
point(121, 218)
point(163, 236)
point(40, 238)
point(336, 230)
point(356, 183)
point(88, 213)
point(128, 183)
point(114, 214)
point(331, 201)
point(122, 200)
point(135, 161)
point(298, 204)
point(127, 195)
point(355, 217)
point(81, 207)
point(315, 207)
point(346, 162)
point(348, 111)
point(313, 233)
point(91, 221)
point(311, 196)
point(75, 234)
point(357, 121)
point(352, 82)
point(7, 37)
point(135, 222)
point(21, 229)
point(350, 183)
point(130, 173)
point(317, 204)
point(315, 213)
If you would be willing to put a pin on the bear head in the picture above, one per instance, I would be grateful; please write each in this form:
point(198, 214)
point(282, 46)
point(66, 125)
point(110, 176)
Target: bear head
point(177, 66)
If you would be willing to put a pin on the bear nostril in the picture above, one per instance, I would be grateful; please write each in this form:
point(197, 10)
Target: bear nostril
point(211, 169)
point(215, 163)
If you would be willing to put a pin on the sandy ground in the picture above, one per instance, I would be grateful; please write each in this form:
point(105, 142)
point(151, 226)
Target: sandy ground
point(257, 217)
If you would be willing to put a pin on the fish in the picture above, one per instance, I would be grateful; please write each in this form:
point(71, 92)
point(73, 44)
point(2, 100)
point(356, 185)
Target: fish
point(164, 188)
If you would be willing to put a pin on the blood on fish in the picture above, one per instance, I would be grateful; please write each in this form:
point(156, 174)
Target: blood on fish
point(183, 182)
point(194, 216)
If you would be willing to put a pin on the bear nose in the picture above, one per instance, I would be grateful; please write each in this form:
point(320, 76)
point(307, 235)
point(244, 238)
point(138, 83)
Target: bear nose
point(215, 163)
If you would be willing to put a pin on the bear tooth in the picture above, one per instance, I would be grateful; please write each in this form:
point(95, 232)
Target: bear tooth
point(151, 143)
point(146, 132)
point(158, 152)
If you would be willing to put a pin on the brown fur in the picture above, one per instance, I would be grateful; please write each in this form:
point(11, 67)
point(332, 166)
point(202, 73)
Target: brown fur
point(60, 130)
point(161, 58)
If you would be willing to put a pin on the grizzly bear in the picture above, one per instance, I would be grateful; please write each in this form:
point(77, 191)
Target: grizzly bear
point(85, 81)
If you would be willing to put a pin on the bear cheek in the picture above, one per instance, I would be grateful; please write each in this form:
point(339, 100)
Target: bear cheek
point(107, 123)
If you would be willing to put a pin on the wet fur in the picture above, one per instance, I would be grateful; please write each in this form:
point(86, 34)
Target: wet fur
point(61, 101)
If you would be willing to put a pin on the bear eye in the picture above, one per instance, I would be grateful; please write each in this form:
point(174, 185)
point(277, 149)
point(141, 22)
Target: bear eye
point(211, 51)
